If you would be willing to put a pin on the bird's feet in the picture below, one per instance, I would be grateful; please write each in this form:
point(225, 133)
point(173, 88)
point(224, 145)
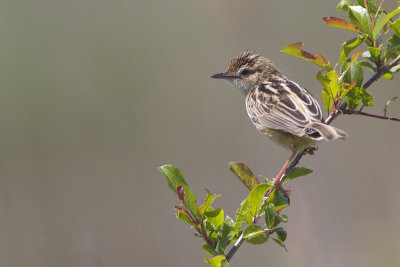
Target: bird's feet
point(311, 150)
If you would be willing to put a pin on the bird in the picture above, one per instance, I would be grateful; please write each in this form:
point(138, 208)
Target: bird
point(278, 107)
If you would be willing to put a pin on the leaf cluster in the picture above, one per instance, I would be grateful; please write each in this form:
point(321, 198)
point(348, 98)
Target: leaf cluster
point(218, 230)
point(344, 82)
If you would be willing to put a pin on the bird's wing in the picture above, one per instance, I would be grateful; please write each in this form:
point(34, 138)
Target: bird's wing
point(282, 105)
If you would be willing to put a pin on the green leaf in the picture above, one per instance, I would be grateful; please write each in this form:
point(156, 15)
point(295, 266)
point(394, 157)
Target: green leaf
point(226, 235)
point(366, 97)
point(371, 4)
point(243, 172)
point(217, 261)
point(330, 83)
point(396, 27)
point(349, 46)
point(215, 217)
point(294, 50)
point(353, 98)
point(256, 198)
point(387, 76)
point(344, 5)
point(340, 23)
point(392, 47)
point(375, 52)
point(280, 243)
point(244, 213)
point(207, 202)
point(395, 69)
point(175, 178)
point(280, 233)
point(282, 218)
point(208, 249)
point(359, 16)
point(254, 234)
point(382, 20)
point(297, 172)
point(366, 64)
point(183, 216)
point(388, 103)
point(279, 200)
point(354, 73)
point(270, 215)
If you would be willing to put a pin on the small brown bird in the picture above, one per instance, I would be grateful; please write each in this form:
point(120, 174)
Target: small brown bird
point(277, 106)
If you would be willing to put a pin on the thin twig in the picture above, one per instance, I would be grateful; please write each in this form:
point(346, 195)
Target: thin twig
point(355, 112)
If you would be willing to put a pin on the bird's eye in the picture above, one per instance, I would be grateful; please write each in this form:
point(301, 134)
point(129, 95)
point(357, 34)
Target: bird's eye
point(245, 72)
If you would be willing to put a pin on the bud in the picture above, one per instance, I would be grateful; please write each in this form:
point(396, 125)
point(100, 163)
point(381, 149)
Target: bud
point(181, 192)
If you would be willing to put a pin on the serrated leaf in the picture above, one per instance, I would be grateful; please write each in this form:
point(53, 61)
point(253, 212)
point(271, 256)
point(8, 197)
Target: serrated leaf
point(245, 175)
point(297, 172)
point(294, 50)
point(206, 247)
point(254, 234)
point(270, 215)
point(388, 103)
point(382, 20)
point(175, 178)
point(215, 217)
point(226, 235)
point(256, 198)
point(341, 23)
point(217, 261)
point(359, 16)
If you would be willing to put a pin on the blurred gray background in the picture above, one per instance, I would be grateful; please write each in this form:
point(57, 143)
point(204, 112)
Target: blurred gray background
point(96, 94)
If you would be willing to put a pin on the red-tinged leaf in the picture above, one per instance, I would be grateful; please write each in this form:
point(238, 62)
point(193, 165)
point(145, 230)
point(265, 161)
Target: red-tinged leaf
point(348, 87)
point(340, 23)
point(177, 208)
point(356, 54)
point(294, 50)
point(243, 172)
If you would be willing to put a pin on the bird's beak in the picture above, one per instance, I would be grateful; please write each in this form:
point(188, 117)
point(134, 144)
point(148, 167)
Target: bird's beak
point(223, 75)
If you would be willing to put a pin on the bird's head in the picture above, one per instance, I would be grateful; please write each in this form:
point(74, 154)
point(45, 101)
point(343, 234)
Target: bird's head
point(248, 69)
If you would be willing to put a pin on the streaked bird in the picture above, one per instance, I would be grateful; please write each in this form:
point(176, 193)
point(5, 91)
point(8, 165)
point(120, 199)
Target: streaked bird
point(279, 108)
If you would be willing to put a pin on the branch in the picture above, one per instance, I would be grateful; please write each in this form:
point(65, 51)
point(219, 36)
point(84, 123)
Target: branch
point(235, 248)
point(349, 112)
point(343, 107)
point(340, 110)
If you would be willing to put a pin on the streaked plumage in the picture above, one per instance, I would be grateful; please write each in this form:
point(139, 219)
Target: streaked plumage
point(278, 107)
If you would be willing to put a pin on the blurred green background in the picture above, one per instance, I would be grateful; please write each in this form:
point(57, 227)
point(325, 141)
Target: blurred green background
point(96, 94)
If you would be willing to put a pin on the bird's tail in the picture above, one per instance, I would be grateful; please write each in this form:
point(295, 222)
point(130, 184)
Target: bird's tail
point(326, 132)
